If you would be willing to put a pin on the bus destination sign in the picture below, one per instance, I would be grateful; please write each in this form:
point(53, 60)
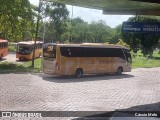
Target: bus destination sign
point(143, 27)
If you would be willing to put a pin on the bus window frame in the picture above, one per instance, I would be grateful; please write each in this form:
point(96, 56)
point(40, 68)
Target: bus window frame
point(92, 52)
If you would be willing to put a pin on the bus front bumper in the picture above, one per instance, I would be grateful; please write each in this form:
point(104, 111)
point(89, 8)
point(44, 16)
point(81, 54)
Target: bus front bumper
point(18, 56)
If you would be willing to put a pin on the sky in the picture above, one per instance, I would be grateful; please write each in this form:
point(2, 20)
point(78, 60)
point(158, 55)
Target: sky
point(90, 15)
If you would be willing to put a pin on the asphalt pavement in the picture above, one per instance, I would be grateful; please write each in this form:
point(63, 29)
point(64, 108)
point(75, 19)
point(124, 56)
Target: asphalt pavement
point(138, 90)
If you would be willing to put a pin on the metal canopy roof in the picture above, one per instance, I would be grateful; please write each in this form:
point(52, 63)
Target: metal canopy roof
point(123, 7)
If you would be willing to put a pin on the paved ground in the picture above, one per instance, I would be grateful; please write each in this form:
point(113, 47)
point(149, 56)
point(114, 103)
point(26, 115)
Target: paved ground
point(135, 91)
point(11, 57)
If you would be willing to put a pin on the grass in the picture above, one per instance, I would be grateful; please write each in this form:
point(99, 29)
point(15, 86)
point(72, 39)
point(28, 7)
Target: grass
point(143, 62)
point(6, 67)
point(138, 61)
point(37, 65)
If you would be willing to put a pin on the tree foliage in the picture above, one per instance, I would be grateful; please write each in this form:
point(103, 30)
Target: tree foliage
point(117, 34)
point(57, 14)
point(18, 21)
point(15, 19)
point(82, 31)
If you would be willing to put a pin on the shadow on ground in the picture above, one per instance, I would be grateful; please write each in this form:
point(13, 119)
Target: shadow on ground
point(68, 79)
point(126, 114)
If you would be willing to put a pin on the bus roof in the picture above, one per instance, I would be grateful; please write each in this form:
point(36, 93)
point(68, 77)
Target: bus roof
point(1, 40)
point(101, 45)
point(29, 42)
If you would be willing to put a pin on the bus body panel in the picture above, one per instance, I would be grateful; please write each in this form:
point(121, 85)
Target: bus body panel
point(68, 66)
point(49, 68)
point(20, 56)
point(29, 56)
point(88, 64)
point(118, 62)
point(3, 52)
point(3, 48)
point(92, 65)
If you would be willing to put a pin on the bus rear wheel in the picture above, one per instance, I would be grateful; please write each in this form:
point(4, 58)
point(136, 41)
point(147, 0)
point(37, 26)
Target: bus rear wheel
point(78, 73)
point(119, 70)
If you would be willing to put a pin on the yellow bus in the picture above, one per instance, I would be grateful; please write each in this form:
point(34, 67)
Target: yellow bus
point(3, 48)
point(24, 50)
point(79, 59)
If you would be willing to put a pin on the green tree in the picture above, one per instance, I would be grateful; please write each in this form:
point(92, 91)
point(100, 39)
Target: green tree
point(82, 31)
point(100, 31)
point(15, 19)
point(116, 34)
point(58, 15)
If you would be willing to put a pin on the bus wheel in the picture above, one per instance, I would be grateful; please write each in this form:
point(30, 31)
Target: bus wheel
point(119, 70)
point(78, 73)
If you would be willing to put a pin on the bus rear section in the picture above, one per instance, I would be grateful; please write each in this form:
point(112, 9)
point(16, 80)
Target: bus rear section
point(50, 61)
point(3, 48)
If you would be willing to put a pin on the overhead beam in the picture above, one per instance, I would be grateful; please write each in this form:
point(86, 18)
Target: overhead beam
point(118, 7)
point(155, 12)
point(149, 1)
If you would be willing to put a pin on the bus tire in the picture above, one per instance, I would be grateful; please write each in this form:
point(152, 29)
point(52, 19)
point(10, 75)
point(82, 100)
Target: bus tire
point(79, 73)
point(119, 70)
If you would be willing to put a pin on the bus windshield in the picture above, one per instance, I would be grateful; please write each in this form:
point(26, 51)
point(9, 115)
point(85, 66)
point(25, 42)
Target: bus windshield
point(25, 49)
point(49, 52)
